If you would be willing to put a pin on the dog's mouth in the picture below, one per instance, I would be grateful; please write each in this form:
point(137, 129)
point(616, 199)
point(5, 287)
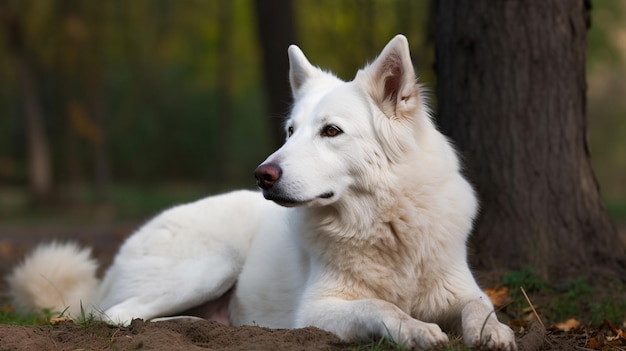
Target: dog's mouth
point(326, 195)
point(287, 201)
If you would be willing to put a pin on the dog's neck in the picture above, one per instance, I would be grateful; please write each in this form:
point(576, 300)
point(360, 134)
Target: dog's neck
point(396, 217)
point(357, 212)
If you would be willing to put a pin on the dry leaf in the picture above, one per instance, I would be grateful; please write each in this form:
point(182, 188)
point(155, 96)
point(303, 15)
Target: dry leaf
point(618, 332)
point(58, 320)
point(499, 296)
point(568, 324)
point(6, 248)
point(593, 344)
point(618, 338)
point(614, 340)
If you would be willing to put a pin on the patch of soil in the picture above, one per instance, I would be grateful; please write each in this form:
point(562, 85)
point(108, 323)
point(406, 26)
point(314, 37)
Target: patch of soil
point(169, 335)
point(205, 335)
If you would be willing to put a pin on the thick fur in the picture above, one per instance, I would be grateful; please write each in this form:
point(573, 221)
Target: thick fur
point(60, 277)
point(369, 240)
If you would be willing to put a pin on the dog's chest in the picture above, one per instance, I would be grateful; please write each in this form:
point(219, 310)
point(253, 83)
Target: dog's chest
point(417, 286)
point(391, 268)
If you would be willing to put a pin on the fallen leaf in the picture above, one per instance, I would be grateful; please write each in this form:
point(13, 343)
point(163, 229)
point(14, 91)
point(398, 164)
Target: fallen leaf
point(6, 248)
point(499, 296)
point(593, 344)
point(619, 333)
point(568, 324)
point(58, 320)
point(612, 339)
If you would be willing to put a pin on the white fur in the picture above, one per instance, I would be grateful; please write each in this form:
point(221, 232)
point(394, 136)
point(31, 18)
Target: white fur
point(59, 277)
point(374, 246)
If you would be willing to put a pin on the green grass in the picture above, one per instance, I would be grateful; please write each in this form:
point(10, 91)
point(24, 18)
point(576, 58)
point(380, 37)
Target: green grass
point(528, 278)
point(386, 344)
point(379, 345)
point(574, 299)
point(8, 316)
point(85, 319)
point(617, 209)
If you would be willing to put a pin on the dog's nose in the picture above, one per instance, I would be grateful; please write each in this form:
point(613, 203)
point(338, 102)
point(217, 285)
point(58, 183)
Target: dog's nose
point(268, 174)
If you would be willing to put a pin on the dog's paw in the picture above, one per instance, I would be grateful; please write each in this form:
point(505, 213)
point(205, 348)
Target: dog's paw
point(494, 336)
point(418, 335)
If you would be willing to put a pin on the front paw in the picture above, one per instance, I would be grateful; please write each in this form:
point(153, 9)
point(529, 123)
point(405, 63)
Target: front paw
point(418, 335)
point(494, 336)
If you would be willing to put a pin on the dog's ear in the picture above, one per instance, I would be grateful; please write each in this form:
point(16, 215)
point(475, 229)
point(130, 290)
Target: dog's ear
point(300, 70)
point(390, 80)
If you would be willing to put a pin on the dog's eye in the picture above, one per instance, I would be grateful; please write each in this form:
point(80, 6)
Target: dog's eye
point(331, 131)
point(289, 131)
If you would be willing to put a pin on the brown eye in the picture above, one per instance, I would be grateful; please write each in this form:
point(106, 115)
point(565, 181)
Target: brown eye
point(289, 131)
point(330, 131)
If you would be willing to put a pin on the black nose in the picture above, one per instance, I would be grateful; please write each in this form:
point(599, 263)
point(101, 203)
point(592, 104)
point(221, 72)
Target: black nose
point(268, 174)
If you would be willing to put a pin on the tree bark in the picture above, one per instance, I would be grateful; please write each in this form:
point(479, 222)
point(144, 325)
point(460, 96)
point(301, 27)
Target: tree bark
point(224, 81)
point(511, 93)
point(276, 32)
point(96, 102)
point(39, 159)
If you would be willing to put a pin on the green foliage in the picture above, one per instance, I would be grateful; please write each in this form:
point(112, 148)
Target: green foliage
point(8, 316)
point(173, 89)
point(382, 344)
point(606, 86)
point(577, 289)
point(574, 299)
point(617, 209)
point(527, 278)
point(123, 201)
point(85, 318)
point(607, 310)
point(136, 201)
point(147, 74)
point(386, 344)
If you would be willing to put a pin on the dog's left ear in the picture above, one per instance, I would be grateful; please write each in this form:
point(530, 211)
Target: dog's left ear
point(390, 80)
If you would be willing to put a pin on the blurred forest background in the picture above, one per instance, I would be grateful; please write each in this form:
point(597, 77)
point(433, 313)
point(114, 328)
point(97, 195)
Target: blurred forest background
point(141, 104)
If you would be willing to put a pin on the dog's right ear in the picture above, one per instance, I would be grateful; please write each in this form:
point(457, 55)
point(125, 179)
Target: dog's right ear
point(300, 70)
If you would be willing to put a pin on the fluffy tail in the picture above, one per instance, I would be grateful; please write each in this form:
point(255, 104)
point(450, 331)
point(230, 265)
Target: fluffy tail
point(60, 277)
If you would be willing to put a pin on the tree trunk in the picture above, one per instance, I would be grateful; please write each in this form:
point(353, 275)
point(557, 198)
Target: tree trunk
point(102, 170)
point(511, 94)
point(39, 159)
point(276, 32)
point(96, 102)
point(224, 80)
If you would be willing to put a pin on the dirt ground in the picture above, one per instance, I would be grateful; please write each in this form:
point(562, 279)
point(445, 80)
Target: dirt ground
point(205, 335)
point(16, 241)
point(171, 335)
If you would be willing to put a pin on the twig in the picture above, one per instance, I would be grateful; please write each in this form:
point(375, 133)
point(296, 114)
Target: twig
point(532, 308)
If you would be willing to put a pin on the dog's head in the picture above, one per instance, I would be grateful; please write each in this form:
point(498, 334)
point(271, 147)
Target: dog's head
point(342, 136)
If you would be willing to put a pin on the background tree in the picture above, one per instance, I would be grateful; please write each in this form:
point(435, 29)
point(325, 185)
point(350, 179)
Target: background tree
point(512, 95)
point(276, 31)
point(224, 95)
point(39, 158)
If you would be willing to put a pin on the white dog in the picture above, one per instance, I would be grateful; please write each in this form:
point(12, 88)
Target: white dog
point(369, 238)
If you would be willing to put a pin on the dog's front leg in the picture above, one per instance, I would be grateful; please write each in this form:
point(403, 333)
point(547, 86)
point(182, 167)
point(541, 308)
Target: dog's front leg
point(482, 328)
point(359, 320)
